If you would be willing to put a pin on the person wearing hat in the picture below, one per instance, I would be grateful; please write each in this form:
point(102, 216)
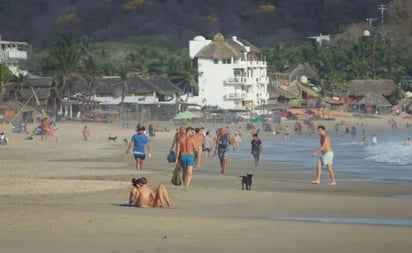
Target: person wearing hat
point(141, 144)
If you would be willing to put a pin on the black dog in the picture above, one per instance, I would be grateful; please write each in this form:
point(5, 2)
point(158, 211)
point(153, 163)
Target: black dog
point(114, 138)
point(247, 182)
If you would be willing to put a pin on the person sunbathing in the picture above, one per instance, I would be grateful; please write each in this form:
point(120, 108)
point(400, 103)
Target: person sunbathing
point(142, 195)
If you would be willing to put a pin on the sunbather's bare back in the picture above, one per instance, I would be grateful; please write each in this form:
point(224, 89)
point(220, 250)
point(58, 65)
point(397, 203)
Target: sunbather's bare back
point(145, 197)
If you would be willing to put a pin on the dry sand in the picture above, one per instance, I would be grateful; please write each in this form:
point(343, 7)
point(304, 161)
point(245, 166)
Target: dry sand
point(64, 195)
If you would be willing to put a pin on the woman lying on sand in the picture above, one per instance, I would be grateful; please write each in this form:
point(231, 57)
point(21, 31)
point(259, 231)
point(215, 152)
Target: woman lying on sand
point(142, 195)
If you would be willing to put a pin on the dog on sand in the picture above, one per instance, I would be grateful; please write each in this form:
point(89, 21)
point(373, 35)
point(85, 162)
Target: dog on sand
point(247, 182)
point(110, 138)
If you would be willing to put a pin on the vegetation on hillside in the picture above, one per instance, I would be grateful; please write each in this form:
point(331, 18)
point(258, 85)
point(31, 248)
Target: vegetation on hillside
point(385, 53)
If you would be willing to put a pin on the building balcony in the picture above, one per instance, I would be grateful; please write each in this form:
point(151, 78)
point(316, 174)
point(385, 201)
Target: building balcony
point(236, 81)
point(15, 54)
point(262, 80)
point(256, 64)
point(235, 96)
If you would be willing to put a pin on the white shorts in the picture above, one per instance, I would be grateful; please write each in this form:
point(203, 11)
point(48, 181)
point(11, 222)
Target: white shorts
point(327, 158)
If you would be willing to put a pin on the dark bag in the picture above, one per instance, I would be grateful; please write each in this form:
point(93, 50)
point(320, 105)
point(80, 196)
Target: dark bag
point(171, 157)
point(176, 179)
point(223, 141)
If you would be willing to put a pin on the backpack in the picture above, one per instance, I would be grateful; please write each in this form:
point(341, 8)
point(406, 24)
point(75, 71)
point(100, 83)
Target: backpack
point(223, 141)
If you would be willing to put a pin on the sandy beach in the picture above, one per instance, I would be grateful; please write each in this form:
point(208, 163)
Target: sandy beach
point(66, 195)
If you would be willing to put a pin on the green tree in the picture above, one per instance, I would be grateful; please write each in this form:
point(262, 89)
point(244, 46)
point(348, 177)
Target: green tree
point(64, 61)
point(123, 71)
point(6, 77)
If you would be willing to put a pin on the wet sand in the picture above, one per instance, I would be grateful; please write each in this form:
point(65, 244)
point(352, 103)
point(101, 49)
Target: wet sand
point(66, 195)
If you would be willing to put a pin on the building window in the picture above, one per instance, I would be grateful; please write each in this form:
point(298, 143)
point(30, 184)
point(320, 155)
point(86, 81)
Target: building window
point(215, 61)
point(227, 61)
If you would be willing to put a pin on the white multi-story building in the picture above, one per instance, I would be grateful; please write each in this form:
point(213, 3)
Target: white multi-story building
point(11, 54)
point(232, 73)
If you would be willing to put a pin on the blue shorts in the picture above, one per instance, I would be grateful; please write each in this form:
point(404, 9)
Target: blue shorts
point(222, 153)
point(187, 160)
point(139, 156)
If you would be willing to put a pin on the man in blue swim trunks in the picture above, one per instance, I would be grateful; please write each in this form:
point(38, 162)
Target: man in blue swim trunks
point(185, 151)
point(140, 143)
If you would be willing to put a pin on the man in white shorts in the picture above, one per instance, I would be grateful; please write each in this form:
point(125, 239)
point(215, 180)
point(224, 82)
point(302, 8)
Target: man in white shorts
point(327, 157)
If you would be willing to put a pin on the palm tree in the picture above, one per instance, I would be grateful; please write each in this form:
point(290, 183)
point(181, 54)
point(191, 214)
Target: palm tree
point(123, 71)
point(186, 79)
point(90, 71)
point(64, 60)
point(5, 77)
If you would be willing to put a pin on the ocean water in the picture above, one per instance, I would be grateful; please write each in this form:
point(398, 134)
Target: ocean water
point(388, 161)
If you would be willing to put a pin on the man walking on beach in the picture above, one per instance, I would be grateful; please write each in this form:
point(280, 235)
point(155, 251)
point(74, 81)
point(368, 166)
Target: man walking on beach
point(179, 133)
point(199, 138)
point(327, 156)
point(256, 147)
point(223, 140)
point(185, 152)
point(140, 143)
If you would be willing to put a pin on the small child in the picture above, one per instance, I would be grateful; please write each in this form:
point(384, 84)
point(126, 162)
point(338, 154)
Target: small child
point(85, 133)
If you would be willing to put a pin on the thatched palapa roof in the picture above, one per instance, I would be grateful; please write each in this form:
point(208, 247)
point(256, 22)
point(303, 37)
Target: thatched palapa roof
point(374, 99)
point(302, 69)
point(381, 86)
point(219, 49)
point(164, 86)
point(139, 85)
point(42, 86)
point(106, 85)
point(276, 92)
point(296, 88)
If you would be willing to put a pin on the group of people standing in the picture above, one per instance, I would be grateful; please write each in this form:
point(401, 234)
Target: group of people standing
point(189, 143)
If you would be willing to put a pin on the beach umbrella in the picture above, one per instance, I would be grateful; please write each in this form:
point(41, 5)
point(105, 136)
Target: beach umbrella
point(183, 115)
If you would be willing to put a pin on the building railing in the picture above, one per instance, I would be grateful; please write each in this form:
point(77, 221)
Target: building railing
point(240, 80)
point(235, 96)
point(15, 54)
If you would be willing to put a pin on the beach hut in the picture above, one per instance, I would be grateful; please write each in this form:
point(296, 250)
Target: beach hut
point(373, 103)
point(383, 87)
point(303, 70)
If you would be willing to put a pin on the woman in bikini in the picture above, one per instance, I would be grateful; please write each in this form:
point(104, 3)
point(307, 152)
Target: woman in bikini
point(142, 195)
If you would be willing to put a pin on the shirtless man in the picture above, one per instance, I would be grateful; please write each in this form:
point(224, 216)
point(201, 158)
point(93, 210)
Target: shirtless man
point(45, 126)
point(142, 195)
point(199, 138)
point(185, 152)
point(327, 156)
point(180, 132)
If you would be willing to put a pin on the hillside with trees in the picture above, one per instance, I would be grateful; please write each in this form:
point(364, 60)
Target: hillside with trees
point(264, 22)
point(384, 54)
